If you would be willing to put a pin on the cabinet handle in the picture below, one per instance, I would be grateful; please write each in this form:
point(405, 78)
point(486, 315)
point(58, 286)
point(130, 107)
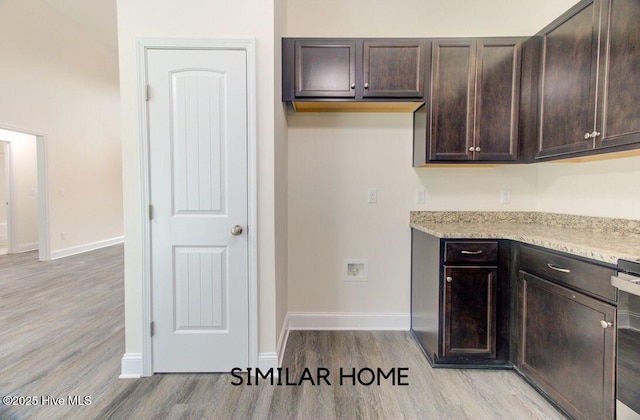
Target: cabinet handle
point(449, 279)
point(477, 149)
point(366, 85)
point(353, 85)
point(471, 149)
point(478, 252)
point(592, 135)
point(560, 269)
point(606, 324)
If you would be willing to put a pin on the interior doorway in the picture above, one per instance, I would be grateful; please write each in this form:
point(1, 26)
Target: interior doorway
point(23, 175)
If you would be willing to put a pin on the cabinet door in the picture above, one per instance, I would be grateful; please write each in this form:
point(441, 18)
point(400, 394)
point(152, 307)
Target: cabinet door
point(620, 81)
point(563, 347)
point(497, 99)
point(568, 82)
point(453, 76)
point(469, 321)
point(393, 69)
point(325, 68)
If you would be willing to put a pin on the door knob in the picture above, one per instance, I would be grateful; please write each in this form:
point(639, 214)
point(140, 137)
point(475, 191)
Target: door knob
point(606, 324)
point(236, 230)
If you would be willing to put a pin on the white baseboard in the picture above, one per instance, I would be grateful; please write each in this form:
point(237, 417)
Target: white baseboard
point(74, 250)
point(132, 362)
point(28, 247)
point(267, 361)
point(131, 366)
point(348, 321)
point(282, 340)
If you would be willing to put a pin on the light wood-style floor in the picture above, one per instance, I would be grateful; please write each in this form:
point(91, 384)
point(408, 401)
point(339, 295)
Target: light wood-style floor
point(62, 334)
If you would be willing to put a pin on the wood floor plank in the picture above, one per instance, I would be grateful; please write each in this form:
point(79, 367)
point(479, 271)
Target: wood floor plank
point(63, 335)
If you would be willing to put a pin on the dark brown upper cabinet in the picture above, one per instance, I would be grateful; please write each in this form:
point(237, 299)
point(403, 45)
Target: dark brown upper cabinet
point(333, 71)
point(393, 69)
point(585, 83)
point(325, 69)
point(473, 110)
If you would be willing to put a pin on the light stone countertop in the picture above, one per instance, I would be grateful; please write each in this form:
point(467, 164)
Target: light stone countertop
point(600, 239)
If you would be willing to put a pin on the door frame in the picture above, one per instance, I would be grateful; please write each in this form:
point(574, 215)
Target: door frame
point(8, 192)
point(44, 240)
point(248, 46)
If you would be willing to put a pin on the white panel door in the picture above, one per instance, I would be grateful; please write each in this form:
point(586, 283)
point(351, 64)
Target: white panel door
point(197, 113)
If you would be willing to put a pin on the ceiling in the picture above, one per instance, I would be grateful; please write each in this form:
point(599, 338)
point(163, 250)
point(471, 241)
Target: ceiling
point(96, 16)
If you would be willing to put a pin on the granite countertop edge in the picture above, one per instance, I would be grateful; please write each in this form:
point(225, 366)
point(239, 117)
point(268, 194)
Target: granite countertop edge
point(610, 240)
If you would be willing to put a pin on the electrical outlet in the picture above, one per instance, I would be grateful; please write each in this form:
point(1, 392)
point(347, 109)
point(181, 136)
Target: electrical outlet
point(420, 196)
point(63, 235)
point(372, 196)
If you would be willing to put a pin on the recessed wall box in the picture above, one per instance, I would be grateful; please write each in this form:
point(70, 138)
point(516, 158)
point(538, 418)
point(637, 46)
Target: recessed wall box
point(355, 270)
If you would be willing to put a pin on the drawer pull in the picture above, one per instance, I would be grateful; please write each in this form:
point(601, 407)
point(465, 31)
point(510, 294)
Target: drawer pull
point(560, 269)
point(478, 252)
point(449, 279)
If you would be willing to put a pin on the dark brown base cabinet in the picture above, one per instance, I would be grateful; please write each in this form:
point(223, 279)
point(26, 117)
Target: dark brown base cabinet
point(565, 338)
point(460, 301)
point(469, 312)
point(501, 304)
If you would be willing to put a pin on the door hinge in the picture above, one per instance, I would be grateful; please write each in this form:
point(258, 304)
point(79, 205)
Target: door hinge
point(146, 92)
point(152, 327)
point(150, 212)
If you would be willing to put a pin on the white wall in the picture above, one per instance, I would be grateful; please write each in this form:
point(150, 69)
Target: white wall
point(56, 79)
point(335, 158)
point(199, 19)
point(420, 18)
point(609, 188)
point(281, 155)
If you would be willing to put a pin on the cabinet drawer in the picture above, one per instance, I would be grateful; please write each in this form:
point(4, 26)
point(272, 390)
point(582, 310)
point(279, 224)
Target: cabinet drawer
point(592, 278)
point(471, 252)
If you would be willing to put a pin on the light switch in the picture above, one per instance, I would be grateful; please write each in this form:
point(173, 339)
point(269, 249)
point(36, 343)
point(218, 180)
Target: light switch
point(420, 196)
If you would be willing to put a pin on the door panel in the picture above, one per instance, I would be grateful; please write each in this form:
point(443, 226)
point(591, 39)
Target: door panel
point(497, 94)
point(201, 282)
point(470, 311)
point(198, 170)
point(393, 69)
point(325, 68)
point(563, 346)
point(569, 69)
point(452, 83)
point(620, 83)
point(199, 174)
